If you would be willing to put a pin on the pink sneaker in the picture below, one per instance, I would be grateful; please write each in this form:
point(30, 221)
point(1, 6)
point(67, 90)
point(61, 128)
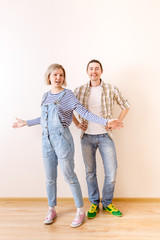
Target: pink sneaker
point(78, 220)
point(51, 215)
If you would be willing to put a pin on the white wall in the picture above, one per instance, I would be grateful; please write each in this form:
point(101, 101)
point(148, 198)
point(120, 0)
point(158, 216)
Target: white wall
point(124, 35)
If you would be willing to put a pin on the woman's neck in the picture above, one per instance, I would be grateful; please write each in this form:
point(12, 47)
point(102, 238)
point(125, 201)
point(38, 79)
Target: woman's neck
point(56, 90)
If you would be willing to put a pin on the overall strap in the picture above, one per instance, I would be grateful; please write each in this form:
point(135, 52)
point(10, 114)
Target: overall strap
point(60, 97)
point(44, 97)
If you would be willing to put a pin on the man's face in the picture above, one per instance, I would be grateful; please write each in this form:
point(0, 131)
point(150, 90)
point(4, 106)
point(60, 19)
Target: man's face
point(94, 71)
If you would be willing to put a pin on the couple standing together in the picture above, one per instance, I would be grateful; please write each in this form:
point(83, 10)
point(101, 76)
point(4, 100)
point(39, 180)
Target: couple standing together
point(94, 103)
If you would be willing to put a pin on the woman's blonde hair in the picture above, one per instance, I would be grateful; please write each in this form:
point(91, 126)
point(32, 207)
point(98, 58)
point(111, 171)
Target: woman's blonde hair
point(50, 69)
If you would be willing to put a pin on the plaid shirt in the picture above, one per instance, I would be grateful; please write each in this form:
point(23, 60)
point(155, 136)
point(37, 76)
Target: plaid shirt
point(110, 94)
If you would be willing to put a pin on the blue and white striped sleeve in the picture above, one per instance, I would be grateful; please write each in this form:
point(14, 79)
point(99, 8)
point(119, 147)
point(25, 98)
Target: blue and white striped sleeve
point(33, 122)
point(84, 113)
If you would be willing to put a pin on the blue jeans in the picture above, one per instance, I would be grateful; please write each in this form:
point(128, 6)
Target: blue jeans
point(59, 148)
point(106, 146)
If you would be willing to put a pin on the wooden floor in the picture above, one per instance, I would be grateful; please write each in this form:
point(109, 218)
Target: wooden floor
point(23, 220)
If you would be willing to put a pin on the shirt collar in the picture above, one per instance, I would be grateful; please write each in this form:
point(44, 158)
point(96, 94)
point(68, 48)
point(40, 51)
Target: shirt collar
point(88, 84)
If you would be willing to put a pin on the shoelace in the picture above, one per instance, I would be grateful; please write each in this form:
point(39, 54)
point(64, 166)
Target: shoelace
point(92, 208)
point(49, 214)
point(113, 207)
point(78, 215)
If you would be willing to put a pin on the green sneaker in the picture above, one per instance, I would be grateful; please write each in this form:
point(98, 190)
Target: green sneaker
point(93, 211)
point(113, 210)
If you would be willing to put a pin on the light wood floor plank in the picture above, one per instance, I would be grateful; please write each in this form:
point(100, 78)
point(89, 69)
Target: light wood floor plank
point(23, 220)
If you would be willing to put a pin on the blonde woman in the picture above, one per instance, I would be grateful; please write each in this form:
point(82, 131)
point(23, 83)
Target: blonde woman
point(57, 108)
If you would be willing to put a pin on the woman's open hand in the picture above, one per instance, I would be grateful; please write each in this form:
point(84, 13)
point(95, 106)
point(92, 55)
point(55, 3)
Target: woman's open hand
point(19, 123)
point(114, 124)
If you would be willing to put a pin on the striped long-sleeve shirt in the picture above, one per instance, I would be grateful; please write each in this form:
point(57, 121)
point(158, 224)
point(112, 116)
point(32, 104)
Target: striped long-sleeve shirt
point(67, 105)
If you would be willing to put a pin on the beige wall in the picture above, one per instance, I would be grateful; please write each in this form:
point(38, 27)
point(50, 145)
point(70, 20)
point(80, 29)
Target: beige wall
point(124, 35)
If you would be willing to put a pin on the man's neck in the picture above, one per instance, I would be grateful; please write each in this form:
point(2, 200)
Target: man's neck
point(95, 83)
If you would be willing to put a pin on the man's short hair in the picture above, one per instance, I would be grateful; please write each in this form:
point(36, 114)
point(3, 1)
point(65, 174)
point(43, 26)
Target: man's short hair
point(96, 61)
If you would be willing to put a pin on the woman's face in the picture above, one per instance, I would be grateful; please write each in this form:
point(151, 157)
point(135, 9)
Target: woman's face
point(57, 78)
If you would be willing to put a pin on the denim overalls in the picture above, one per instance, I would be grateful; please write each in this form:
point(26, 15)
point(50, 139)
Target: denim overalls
point(58, 146)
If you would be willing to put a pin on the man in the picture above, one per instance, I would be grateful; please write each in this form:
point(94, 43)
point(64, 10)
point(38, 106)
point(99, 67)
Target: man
point(99, 97)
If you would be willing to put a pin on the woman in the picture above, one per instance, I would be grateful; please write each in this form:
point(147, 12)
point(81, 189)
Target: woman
point(57, 108)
